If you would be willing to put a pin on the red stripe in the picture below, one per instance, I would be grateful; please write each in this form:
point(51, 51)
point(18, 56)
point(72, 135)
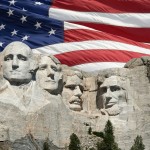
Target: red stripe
point(91, 56)
point(78, 35)
point(112, 6)
point(136, 34)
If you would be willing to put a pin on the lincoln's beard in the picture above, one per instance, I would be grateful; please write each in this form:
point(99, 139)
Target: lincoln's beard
point(114, 110)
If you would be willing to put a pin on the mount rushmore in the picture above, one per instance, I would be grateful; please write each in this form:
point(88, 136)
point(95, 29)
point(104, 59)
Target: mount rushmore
point(42, 97)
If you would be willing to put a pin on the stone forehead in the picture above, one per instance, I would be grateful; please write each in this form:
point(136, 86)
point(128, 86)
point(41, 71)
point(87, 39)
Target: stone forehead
point(114, 80)
point(49, 59)
point(73, 80)
point(54, 59)
point(70, 73)
point(46, 60)
point(18, 46)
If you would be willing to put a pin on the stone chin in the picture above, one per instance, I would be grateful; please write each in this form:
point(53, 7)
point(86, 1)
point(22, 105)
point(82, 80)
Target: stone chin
point(75, 107)
point(114, 110)
point(18, 78)
point(49, 86)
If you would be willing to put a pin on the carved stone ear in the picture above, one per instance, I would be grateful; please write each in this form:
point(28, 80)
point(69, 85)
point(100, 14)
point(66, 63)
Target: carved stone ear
point(34, 62)
point(126, 96)
point(61, 76)
point(33, 66)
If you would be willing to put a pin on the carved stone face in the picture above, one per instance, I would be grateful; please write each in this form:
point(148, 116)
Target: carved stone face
point(16, 63)
point(72, 92)
point(114, 96)
point(49, 74)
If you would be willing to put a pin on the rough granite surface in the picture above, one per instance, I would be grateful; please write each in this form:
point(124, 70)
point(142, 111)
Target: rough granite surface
point(34, 108)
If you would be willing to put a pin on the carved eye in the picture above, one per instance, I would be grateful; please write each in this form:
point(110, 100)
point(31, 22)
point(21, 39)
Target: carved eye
point(114, 88)
point(104, 89)
point(71, 87)
point(9, 57)
point(81, 88)
point(21, 57)
point(54, 68)
point(42, 68)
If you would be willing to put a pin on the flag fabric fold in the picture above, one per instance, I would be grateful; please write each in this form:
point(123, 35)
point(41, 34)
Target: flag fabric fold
point(87, 34)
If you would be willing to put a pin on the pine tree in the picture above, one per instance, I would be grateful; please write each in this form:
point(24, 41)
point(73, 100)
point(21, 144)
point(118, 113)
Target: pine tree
point(74, 142)
point(138, 144)
point(46, 145)
point(90, 131)
point(108, 137)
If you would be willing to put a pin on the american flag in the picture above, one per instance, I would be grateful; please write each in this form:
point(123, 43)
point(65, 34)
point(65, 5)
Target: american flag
point(87, 34)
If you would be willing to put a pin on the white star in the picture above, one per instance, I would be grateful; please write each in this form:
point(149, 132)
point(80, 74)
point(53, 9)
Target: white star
point(23, 19)
point(1, 44)
point(12, 2)
point(38, 3)
point(25, 38)
point(51, 32)
point(10, 12)
point(23, 9)
point(2, 26)
point(38, 25)
point(14, 32)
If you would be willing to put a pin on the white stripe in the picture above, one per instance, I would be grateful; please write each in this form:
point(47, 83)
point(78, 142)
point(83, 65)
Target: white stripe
point(69, 26)
point(96, 66)
point(123, 19)
point(90, 67)
point(87, 45)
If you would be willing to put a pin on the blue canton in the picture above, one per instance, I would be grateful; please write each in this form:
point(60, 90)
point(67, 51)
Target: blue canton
point(28, 21)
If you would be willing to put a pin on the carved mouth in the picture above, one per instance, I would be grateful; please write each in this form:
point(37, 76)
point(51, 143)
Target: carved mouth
point(15, 72)
point(76, 101)
point(49, 80)
point(111, 103)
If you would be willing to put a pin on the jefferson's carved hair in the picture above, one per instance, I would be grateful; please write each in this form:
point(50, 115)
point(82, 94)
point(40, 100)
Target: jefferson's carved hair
point(55, 60)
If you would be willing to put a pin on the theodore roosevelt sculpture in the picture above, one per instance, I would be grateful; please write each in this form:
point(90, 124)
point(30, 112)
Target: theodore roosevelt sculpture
point(73, 90)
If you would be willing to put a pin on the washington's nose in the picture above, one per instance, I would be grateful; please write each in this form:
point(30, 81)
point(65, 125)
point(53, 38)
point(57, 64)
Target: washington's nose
point(15, 62)
point(50, 73)
point(77, 91)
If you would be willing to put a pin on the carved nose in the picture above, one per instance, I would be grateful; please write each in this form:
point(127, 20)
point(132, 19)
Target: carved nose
point(108, 95)
point(50, 73)
point(108, 98)
point(77, 92)
point(15, 63)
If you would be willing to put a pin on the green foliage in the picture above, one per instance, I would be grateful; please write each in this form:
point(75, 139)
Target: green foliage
point(98, 134)
point(46, 145)
point(74, 142)
point(92, 148)
point(108, 142)
point(90, 131)
point(109, 129)
point(138, 144)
